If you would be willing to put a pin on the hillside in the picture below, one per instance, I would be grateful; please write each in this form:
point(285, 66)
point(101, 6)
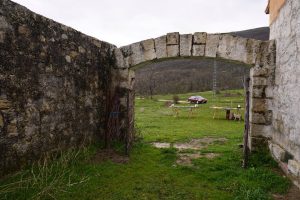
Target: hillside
point(261, 33)
point(188, 75)
point(191, 75)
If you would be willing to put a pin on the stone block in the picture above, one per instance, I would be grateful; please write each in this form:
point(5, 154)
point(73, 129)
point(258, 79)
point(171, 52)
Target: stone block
point(97, 43)
point(212, 43)
point(137, 56)
point(131, 74)
point(294, 168)
point(258, 105)
point(24, 30)
point(120, 62)
point(198, 50)
point(269, 92)
point(126, 51)
point(82, 50)
point(161, 46)
point(267, 55)
point(256, 143)
point(64, 36)
point(186, 44)
point(4, 24)
point(258, 71)
point(173, 51)
point(5, 104)
point(148, 47)
point(269, 117)
point(232, 48)
point(173, 38)
point(258, 118)
point(12, 130)
point(253, 49)
point(260, 130)
point(258, 92)
point(74, 54)
point(200, 38)
point(31, 130)
point(129, 82)
point(259, 81)
point(277, 152)
point(123, 74)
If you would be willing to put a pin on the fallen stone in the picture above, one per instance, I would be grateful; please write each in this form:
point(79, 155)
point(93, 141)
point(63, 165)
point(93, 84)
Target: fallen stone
point(161, 145)
point(294, 167)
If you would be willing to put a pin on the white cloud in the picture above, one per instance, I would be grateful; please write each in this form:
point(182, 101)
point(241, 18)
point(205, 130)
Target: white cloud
point(123, 22)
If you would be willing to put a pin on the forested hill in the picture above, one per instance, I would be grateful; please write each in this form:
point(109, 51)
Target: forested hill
point(192, 75)
point(257, 33)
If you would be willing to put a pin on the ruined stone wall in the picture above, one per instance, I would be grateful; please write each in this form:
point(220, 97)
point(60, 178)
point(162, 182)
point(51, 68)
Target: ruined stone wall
point(56, 84)
point(53, 86)
point(261, 96)
point(259, 55)
point(286, 105)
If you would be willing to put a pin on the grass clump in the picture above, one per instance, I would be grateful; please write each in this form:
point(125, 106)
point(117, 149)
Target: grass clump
point(46, 178)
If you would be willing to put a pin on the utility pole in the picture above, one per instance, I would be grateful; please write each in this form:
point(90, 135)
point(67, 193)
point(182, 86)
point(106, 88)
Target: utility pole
point(215, 80)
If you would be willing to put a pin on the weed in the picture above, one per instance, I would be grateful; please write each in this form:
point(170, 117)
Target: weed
point(46, 178)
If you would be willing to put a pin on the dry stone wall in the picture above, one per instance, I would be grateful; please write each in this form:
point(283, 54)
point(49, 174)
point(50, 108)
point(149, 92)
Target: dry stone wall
point(53, 86)
point(285, 143)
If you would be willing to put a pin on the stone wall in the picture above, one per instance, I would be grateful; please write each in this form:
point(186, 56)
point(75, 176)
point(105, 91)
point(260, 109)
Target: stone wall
point(285, 144)
point(53, 86)
point(261, 90)
point(259, 55)
point(58, 86)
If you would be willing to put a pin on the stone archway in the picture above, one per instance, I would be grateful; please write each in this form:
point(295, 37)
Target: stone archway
point(260, 55)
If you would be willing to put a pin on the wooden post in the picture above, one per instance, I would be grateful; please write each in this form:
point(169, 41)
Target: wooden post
point(130, 121)
point(246, 132)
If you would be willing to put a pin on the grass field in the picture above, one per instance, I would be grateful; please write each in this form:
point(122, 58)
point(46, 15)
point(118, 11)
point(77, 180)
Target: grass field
point(152, 173)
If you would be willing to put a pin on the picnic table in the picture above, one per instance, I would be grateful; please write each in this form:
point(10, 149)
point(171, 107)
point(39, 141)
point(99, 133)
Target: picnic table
point(190, 108)
point(228, 113)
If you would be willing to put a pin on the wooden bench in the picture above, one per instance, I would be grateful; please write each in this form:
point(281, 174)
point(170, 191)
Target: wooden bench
point(228, 114)
point(177, 108)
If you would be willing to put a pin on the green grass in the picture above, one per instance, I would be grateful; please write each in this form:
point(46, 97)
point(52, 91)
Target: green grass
point(152, 173)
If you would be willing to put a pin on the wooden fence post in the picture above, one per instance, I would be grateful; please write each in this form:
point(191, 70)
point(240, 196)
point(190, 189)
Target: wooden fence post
point(246, 150)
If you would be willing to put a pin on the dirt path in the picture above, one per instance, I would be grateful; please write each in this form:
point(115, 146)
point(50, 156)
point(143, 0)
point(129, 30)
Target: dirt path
point(194, 145)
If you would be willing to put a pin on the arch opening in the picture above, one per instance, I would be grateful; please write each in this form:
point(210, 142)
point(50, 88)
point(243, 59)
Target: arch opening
point(259, 55)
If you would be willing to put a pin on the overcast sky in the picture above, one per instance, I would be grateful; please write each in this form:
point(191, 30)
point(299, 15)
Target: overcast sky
point(123, 22)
